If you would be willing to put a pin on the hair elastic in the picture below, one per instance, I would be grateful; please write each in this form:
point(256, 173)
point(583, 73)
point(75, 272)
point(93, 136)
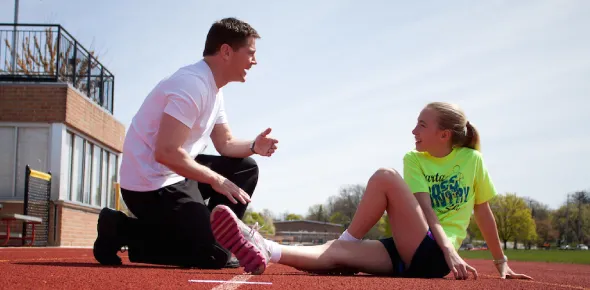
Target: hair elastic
point(466, 130)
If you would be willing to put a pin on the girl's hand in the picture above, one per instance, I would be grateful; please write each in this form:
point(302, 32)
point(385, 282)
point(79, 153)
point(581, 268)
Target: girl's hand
point(507, 273)
point(458, 265)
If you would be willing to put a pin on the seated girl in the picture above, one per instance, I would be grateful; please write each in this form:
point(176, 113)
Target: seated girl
point(445, 180)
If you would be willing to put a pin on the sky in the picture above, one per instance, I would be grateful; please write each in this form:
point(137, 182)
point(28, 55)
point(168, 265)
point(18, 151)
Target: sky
point(341, 83)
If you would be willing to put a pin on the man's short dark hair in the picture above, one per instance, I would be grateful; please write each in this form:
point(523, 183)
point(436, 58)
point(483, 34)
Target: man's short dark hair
point(229, 31)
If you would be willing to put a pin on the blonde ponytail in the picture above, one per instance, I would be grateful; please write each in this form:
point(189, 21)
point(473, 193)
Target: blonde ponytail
point(452, 118)
point(471, 139)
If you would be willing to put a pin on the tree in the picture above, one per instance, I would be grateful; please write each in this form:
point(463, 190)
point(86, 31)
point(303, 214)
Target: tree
point(41, 58)
point(473, 231)
point(542, 216)
point(265, 222)
point(581, 198)
point(562, 222)
point(318, 212)
point(513, 218)
point(527, 233)
point(387, 232)
point(545, 231)
point(293, 217)
point(347, 201)
point(339, 218)
point(268, 214)
point(269, 224)
point(539, 211)
point(572, 220)
point(380, 230)
point(341, 208)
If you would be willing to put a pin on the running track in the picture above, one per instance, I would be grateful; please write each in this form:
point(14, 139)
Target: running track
point(58, 268)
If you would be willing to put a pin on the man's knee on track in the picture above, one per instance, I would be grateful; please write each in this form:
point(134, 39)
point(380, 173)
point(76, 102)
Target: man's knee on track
point(206, 259)
point(192, 224)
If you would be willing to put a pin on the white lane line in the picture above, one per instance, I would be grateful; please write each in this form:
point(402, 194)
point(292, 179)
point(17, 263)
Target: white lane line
point(542, 283)
point(234, 282)
point(242, 279)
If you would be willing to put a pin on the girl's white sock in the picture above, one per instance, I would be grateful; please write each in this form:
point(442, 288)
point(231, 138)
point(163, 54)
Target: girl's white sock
point(345, 236)
point(275, 250)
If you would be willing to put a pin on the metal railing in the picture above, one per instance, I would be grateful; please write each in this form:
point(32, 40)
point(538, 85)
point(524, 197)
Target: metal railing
point(48, 53)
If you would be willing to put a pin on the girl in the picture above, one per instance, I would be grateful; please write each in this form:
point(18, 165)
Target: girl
point(445, 181)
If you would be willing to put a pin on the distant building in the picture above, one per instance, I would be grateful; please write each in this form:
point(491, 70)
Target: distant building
point(306, 231)
point(56, 115)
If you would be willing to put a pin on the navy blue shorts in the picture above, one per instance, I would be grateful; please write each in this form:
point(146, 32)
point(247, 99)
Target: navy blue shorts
point(428, 261)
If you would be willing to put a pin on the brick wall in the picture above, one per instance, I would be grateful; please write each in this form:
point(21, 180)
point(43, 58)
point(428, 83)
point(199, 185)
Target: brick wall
point(60, 103)
point(32, 103)
point(92, 120)
point(12, 207)
point(76, 225)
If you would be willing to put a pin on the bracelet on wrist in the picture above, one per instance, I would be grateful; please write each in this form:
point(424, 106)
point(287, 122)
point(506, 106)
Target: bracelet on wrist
point(501, 261)
point(252, 147)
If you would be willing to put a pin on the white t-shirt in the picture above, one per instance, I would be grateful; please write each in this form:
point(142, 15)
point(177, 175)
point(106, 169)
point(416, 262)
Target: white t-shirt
point(191, 96)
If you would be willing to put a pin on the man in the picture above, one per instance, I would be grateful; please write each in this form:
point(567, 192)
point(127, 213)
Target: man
point(164, 178)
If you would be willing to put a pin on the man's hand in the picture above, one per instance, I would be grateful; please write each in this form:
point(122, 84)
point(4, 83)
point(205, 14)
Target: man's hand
point(224, 186)
point(457, 265)
point(263, 145)
point(507, 273)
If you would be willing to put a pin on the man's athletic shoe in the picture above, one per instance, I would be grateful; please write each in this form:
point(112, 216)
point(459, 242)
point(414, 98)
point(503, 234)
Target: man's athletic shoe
point(244, 242)
point(108, 242)
point(232, 263)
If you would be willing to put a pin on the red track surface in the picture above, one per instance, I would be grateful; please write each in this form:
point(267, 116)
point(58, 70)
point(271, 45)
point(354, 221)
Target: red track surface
point(53, 268)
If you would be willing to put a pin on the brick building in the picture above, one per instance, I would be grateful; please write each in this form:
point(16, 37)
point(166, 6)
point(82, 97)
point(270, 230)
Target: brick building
point(58, 118)
point(306, 231)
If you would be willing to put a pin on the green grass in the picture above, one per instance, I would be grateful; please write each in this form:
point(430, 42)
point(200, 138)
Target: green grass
point(552, 256)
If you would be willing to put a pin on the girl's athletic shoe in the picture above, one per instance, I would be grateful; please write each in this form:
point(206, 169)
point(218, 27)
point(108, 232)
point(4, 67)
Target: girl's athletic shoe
point(244, 242)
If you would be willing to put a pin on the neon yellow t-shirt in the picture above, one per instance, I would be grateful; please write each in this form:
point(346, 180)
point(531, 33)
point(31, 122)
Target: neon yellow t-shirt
point(455, 182)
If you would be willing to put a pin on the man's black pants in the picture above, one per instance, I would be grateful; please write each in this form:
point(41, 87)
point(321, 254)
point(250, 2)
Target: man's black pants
point(172, 224)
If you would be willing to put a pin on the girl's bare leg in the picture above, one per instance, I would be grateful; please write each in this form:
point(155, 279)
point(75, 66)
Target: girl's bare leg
point(387, 191)
point(366, 256)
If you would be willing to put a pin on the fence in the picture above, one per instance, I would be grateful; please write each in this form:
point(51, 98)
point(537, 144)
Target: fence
point(48, 53)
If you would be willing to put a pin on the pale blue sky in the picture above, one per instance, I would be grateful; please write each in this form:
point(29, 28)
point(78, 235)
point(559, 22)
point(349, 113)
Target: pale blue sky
point(342, 82)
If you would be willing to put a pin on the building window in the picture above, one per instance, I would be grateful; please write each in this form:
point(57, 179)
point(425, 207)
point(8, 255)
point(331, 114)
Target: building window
point(21, 146)
point(78, 171)
point(68, 165)
point(92, 172)
point(96, 168)
point(87, 171)
point(112, 179)
point(104, 177)
point(8, 161)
